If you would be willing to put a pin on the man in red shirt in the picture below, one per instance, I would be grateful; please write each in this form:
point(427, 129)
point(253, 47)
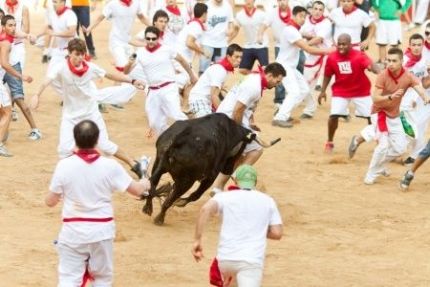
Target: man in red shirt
point(351, 84)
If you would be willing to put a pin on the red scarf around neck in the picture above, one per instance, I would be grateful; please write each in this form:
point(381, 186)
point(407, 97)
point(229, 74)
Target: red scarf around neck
point(198, 21)
point(11, 4)
point(286, 19)
point(427, 45)
point(396, 78)
point(225, 63)
point(78, 71)
point(174, 10)
point(249, 12)
point(7, 37)
point(294, 24)
point(412, 59)
point(153, 49)
point(61, 11)
point(161, 34)
point(126, 2)
point(316, 21)
point(88, 155)
point(349, 12)
point(263, 79)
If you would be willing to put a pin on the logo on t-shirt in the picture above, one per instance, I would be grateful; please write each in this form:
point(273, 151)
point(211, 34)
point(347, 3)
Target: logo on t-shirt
point(345, 67)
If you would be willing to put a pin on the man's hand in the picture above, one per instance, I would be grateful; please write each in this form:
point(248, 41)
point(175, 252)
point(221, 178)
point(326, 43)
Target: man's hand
point(364, 45)
point(27, 79)
point(139, 85)
point(194, 79)
point(398, 94)
point(197, 251)
point(322, 96)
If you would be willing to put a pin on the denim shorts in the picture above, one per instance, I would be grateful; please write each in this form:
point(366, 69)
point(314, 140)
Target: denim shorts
point(425, 152)
point(14, 84)
point(254, 54)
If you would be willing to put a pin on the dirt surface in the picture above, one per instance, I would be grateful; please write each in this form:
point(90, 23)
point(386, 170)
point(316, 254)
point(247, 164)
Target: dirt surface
point(338, 231)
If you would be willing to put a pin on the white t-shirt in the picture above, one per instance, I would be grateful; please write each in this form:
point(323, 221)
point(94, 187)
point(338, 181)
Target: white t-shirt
point(251, 26)
point(419, 69)
point(289, 53)
point(87, 193)
point(277, 25)
point(411, 97)
point(217, 23)
point(214, 76)
point(194, 29)
point(248, 92)
point(79, 93)
point(17, 14)
point(61, 24)
point(426, 54)
point(157, 65)
point(350, 24)
point(322, 30)
point(175, 26)
point(246, 217)
point(122, 17)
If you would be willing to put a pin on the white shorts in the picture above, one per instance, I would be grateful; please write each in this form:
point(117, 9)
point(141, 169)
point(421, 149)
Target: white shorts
point(67, 143)
point(120, 53)
point(246, 274)
point(74, 259)
point(5, 100)
point(252, 146)
point(363, 106)
point(389, 32)
point(200, 108)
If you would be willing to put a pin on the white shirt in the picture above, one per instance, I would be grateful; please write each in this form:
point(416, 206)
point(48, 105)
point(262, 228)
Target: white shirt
point(214, 76)
point(411, 97)
point(351, 24)
point(191, 29)
point(322, 30)
point(277, 25)
point(289, 53)
point(248, 92)
point(246, 217)
point(79, 93)
point(426, 54)
point(219, 17)
point(419, 69)
point(87, 193)
point(61, 24)
point(17, 14)
point(122, 17)
point(174, 27)
point(157, 65)
point(250, 26)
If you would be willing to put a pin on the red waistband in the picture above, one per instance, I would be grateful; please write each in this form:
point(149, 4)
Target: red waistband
point(83, 219)
point(160, 85)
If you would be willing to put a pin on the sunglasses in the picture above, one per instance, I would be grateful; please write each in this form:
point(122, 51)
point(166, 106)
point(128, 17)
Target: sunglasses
point(427, 33)
point(151, 38)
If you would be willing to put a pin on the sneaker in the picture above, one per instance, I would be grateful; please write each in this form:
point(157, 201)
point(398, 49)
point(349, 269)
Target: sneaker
point(4, 152)
point(305, 117)
point(329, 146)
point(45, 59)
point(137, 169)
point(282, 124)
point(353, 146)
point(369, 181)
point(35, 135)
point(406, 180)
point(408, 161)
point(144, 165)
point(318, 88)
point(116, 106)
point(14, 115)
point(103, 109)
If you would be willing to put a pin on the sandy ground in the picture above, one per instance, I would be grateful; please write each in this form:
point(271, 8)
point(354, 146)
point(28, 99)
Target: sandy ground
point(338, 232)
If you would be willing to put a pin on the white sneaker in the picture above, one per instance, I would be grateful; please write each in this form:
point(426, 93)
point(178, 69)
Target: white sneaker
point(14, 115)
point(35, 135)
point(144, 165)
point(368, 180)
point(4, 152)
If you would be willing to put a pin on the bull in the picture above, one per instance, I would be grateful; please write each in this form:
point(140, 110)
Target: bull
point(196, 150)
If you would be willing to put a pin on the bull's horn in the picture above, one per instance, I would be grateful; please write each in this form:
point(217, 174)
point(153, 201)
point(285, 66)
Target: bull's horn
point(265, 144)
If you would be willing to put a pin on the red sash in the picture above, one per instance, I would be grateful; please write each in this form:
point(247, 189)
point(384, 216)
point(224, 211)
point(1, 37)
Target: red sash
point(382, 121)
point(87, 219)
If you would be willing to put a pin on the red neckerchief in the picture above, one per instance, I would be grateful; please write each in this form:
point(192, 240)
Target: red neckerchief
point(294, 24)
point(349, 12)
point(382, 121)
point(316, 21)
point(78, 72)
point(11, 5)
point(88, 155)
point(161, 34)
point(153, 49)
point(61, 11)
point(412, 59)
point(287, 17)
point(395, 79)
point(427, 45)
point(126, 2)
point(174, 9)
point(7, 37)
point(263, 79)
point(198, 21)
point(225, 63)
point(248, 12)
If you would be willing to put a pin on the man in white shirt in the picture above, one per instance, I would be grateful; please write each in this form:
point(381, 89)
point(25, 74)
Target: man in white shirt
point(219, 26)
point(85, 182)
point(204, 96)
point(80, 101)
point(249, 218)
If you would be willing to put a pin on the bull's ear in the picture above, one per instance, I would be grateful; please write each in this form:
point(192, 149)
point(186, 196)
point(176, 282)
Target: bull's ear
point(251, 136)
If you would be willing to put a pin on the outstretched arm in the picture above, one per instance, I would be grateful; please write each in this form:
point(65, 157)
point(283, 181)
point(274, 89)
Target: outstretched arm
point(35, 99)
point(187, 68)
point(210, 208)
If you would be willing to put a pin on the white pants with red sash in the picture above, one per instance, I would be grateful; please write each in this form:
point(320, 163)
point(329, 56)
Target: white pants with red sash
point(312, 73)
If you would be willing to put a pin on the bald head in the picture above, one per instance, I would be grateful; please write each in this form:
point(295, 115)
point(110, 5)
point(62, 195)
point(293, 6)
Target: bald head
point(345, 38)
point(86, 134)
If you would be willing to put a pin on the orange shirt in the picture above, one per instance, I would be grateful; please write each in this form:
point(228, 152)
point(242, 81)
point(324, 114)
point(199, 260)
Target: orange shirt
point(389, 86)
point(80, 2)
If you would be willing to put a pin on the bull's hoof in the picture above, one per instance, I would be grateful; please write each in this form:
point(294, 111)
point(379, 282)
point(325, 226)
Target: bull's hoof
point(147, 209)
point(181, 202)
point(159, 220)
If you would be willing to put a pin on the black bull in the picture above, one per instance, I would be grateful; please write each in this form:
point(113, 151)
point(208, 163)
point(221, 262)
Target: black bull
point(195, 150)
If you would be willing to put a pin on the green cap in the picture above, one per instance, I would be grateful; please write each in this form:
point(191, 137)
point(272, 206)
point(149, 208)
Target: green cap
point(246, 176)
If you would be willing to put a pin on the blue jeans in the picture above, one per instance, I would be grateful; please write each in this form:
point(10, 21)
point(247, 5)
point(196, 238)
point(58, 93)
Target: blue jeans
point(217, 54)
point(83, 15)
point(15, 84)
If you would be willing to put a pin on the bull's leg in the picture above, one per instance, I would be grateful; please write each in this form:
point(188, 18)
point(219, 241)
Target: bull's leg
point(180, 187)
point(154, 179)
point(204, 185)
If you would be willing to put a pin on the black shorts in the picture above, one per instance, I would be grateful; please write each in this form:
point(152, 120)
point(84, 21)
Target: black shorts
point(252, 54)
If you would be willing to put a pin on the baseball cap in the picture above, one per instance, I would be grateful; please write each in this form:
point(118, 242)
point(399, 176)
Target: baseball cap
point(246, 176)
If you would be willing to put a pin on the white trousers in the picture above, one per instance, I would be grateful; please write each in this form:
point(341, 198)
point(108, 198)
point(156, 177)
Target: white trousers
point(162, 104)
point(421, 116)
point(246, 274)
point(298, 90)
point(421, 11)
point(74, 259)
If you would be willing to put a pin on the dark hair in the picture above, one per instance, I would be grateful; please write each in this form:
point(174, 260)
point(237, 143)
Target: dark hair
point(159, 14)
point(318, 2)
point(6, 18)
point(86, 134)
point(233, 48)
point(77, 45)
point(200, 9)
point(396, 51)
point(2, 12)
point(275, 69)
point(299, 9)
point(416, 36)
point(152, 29)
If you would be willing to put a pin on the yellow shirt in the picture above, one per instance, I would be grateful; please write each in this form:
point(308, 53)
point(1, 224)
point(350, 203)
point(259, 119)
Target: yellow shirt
point(80, 2)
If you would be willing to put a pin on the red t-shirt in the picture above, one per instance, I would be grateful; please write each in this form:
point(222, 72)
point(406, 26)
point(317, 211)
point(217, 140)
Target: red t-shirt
point(349, 71)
